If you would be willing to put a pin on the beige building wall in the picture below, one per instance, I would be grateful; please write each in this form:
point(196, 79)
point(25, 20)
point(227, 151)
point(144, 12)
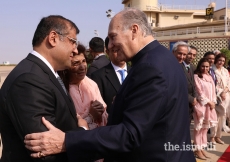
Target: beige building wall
point(221, 13)
point(141, 4)
point(218, 13)
point(152, 18)
point(171, 19)
point(158, 16)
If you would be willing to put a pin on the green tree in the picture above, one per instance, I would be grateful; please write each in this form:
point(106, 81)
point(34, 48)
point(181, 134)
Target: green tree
point(226, 52)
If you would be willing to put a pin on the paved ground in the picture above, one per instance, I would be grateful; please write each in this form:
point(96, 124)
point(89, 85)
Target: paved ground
point(216, 152)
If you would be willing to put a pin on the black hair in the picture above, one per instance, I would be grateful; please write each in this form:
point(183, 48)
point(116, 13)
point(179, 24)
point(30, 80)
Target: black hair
point(193, 47)
point(209, 53)
point(219, 56)
point(197, 71)
point(97, 44)
point(107, 43)
point(53, 22)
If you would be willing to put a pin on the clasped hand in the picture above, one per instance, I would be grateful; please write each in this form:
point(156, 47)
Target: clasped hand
point(96, 110)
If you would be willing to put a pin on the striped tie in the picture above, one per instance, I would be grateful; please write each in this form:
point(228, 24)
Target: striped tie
point(62, 84)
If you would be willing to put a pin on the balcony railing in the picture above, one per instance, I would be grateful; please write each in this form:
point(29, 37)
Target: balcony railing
point(182, 7)
point(197, 30)
point(175, 7)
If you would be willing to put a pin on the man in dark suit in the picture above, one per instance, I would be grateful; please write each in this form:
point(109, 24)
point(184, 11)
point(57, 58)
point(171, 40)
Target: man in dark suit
point(185, 54)
point(148, 121)
point(109, 78)
point(189, 69)
point(211, 58)
point(32, 91)
point(96, 48)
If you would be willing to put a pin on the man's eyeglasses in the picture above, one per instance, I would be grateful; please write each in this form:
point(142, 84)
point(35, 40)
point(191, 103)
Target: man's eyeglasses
point(72, 40)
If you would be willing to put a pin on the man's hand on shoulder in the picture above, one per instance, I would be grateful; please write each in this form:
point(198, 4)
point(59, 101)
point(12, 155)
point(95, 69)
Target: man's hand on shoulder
point(46, 143)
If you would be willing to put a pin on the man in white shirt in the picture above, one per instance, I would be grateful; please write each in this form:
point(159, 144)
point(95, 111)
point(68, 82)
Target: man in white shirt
point(110, 77)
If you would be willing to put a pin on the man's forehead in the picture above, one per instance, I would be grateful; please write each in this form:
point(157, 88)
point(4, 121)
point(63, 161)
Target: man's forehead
point(210, 56)
point(115, 22)
point(192, 51)
point(182, 47)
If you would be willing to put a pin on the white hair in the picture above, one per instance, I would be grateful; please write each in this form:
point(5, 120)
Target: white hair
point(216, 51)
point(132, 16)
point(180, 43)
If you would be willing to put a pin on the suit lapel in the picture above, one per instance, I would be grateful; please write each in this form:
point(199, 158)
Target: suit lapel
point(54, 80)
point(187, 74)
point(112, 76)
point(128, 68)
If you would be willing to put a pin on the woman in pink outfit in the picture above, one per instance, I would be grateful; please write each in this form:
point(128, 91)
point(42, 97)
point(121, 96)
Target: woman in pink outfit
point(204, 113)
point(84, 91)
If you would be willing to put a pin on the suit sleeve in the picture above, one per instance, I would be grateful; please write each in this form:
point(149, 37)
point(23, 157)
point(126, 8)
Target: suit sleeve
point(96, 79)
point(30, 99)
point(190, 98)
point(143, 105)
point(91, 69)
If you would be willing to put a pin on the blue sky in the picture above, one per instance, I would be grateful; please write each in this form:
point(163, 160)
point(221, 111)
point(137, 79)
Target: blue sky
point(19, 19)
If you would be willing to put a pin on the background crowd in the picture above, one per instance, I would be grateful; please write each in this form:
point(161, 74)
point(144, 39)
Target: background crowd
point(208, 94)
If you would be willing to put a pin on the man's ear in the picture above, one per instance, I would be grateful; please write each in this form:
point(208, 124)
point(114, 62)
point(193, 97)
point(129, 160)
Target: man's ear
point(134, 29)
point(53, 37)
point(107, 51)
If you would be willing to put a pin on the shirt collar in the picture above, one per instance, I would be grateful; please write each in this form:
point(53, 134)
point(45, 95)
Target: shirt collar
point(99, 56)
point(146, 45)
point(186, 65)
point(45, 61)
point(116, 68)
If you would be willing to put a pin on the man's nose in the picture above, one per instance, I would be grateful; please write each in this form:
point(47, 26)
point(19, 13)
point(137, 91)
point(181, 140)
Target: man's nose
point(75, 50)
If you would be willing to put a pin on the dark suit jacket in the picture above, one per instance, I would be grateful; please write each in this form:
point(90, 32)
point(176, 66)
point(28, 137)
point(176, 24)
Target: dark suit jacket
point(190, 82)
point(97, 64)
point(29, 92)
point(108, 83)
point(148, 114)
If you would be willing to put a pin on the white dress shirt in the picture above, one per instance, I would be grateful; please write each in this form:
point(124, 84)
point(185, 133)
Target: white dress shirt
point(45, 61)
point(116, 68)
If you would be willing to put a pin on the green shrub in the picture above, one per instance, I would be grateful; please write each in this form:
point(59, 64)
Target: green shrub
point(226, 52)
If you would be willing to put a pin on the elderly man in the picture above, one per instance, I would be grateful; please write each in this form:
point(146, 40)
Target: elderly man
point(34, 90)
point(180, 50)
point(148, 121)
